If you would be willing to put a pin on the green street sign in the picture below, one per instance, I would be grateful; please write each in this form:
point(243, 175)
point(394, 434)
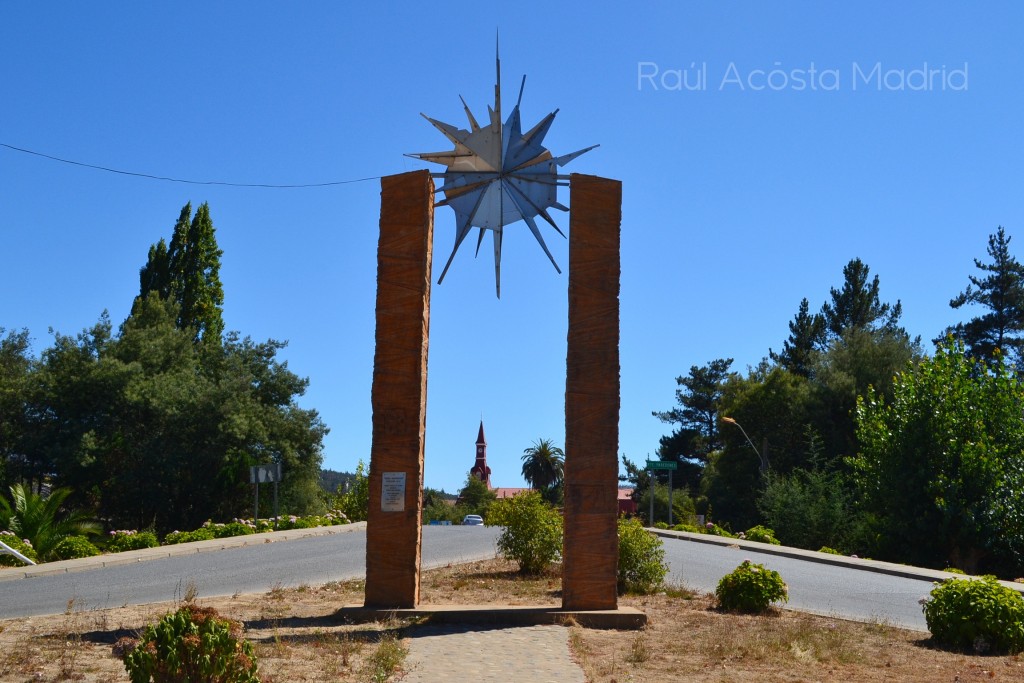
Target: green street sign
point(662, 465)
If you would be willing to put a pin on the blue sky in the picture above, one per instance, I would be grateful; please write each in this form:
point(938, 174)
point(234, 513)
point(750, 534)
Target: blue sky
point(741, 195)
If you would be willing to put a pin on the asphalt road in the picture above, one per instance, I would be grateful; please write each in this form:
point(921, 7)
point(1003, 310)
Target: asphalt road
point(249, 569)
point(826, 589)
point(829, 589)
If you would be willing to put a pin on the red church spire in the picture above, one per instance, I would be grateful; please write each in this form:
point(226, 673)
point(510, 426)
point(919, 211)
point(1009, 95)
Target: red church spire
point(480, 469)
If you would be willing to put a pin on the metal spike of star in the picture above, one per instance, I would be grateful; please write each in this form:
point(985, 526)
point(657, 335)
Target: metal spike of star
point(497, 175)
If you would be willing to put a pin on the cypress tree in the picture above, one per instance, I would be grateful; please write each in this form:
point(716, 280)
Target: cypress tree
point(188, 272)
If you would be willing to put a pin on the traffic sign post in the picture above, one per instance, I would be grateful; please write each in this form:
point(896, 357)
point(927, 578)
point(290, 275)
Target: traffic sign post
point(259, 474)
point(661, 465)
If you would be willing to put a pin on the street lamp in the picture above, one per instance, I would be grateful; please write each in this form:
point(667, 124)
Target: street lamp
point(763, 460)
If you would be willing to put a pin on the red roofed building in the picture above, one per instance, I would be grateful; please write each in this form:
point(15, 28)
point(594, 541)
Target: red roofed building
point(482, 472)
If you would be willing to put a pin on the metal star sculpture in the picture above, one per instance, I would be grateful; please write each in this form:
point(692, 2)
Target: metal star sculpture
point(497, 175)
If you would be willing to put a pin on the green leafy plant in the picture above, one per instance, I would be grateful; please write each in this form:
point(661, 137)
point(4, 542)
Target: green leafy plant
point(200, 534)
point(355, 503)
point(191, 644)
point(532, 534)
point(716, 530)
point(641, 567)
point(750, 588)
point(829, 551)
point(21, 545)
point(979, 614)
point(74, 547)
point(233, 528)
point(693, 529)
point(761, 534)
point(44, 520)
point(123, 540)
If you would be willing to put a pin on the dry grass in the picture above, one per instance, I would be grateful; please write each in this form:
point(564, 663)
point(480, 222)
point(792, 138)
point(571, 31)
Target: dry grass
point(298, 638)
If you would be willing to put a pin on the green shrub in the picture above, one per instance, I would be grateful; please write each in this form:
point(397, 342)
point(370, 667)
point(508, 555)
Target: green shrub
point(234, 528)
point(121, 541)
point(750, 588)
point(716, 530)
point(830, 551)
point(661, 525)
point(19, 544)
point(532, 534)
point(642, 565)
point(74, 547)
point(192, 644)
point(693, 529)
point(200, 534)
point(761, 534)
point(980, 615)
point(355, 503)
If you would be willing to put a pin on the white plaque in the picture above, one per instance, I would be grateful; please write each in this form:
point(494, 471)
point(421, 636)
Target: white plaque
point(392, 494)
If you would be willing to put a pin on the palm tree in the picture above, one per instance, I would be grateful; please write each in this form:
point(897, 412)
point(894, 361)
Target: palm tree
point(41, 521)
point(543, 465)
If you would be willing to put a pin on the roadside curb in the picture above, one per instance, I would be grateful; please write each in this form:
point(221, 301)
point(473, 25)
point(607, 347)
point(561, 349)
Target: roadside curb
point(877, 566)
point(178, 550)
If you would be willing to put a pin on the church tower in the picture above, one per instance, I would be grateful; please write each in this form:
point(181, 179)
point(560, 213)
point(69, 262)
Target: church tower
point(480, 470)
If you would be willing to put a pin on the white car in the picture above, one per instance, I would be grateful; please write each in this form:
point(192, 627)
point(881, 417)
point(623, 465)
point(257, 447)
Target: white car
point(473, 520)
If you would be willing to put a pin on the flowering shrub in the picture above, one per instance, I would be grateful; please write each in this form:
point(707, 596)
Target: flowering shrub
point(23, 546)
point(750, 588)
point(201, 534)
point(715, 530)
point(123, 540)
point(761, 534)
point(641, 567)
point(74, 547)
point(236, 527)
point(980, 615)
point(192, 644)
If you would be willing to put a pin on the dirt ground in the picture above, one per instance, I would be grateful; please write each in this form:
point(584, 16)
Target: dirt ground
point(299, 638)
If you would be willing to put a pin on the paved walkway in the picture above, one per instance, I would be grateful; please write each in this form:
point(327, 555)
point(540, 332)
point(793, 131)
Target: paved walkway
point(451, 652)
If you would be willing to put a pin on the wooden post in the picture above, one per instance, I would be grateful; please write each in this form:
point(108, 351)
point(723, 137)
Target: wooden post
point(590, 556)
point(399, 394)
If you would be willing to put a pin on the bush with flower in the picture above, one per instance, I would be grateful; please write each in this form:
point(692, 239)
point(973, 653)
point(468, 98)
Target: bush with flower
point(73, 548)
point(761, 534)
point(976, 614)
point(21, 545)
point(121, 540)
point(751, 588)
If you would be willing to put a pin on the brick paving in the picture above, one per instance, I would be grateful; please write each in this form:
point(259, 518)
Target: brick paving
point(538, 654)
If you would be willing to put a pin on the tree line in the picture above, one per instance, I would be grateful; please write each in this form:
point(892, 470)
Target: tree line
point(852, 437)
point(155, 423)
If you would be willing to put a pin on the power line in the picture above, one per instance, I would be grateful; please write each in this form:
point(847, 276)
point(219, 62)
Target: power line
point(183, 180)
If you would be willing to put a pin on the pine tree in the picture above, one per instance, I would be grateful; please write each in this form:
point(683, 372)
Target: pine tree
point(806, 334)
point(1002, 293)
point(857, 304)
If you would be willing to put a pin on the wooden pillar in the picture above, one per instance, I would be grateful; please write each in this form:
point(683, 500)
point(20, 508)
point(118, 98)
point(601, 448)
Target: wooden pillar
point(590, 556)
point(399, 394)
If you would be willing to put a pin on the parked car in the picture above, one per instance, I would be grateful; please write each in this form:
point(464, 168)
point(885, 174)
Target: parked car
point(473, 520)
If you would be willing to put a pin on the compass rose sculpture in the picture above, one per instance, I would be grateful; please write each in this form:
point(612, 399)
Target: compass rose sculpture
point(498, 175)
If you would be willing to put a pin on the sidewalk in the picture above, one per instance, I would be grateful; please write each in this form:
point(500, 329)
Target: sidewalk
point(534, 654)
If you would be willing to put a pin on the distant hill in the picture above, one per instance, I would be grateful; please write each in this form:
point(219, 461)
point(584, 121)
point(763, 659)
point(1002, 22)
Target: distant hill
point(330, 480)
